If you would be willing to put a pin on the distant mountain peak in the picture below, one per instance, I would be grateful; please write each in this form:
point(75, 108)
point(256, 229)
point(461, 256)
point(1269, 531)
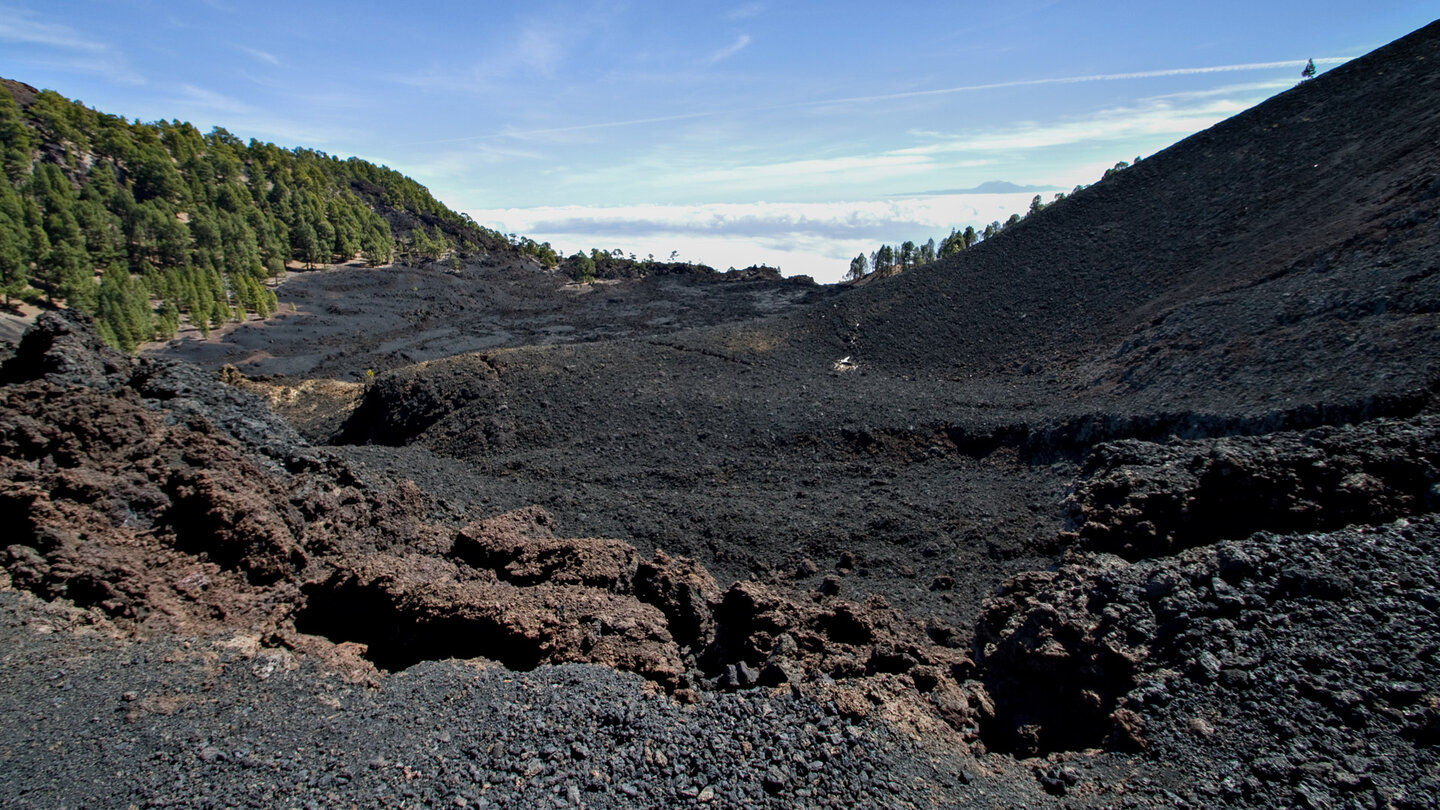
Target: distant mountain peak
point(987, 187)
point(1003, 187)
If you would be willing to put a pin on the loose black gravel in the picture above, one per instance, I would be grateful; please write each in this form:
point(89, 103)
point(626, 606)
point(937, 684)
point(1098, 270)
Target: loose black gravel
point(94, 722)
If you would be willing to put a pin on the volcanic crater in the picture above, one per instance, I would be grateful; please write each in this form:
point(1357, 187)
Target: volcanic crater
point(1132, 504)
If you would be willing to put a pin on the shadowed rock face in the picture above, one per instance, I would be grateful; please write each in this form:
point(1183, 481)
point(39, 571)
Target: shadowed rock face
point(1231, 651)
point(414, 608)
point(508, 589)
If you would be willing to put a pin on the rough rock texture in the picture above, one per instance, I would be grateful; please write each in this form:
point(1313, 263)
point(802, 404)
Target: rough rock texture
point(178, 504)
point(416, 607)
point(776, 636)
point(418, 399)
point(1276, 272)
point(687, 594)
point(1054, 671)
point(1276, 670)
point(1144, 499)
point(174, 503)
point(522, 547)
point(152, 515)
point(171, 722)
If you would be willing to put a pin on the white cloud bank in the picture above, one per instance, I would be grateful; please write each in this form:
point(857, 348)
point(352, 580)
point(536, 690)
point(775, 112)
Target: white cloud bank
point(815, 239)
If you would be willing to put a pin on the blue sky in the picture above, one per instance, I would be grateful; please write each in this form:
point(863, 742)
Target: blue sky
point(797, 133)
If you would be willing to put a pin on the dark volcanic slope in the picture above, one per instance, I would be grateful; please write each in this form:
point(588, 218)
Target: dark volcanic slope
point(1290, 249)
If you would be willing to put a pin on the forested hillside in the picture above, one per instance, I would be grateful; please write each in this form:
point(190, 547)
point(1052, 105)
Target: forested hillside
point(143, 224)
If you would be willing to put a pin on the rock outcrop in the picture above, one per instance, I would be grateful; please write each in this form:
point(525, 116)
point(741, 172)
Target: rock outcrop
point(1145, 499)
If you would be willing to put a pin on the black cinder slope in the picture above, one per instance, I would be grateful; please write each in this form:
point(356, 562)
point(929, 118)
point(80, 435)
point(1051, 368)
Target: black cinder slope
point(1264, 250)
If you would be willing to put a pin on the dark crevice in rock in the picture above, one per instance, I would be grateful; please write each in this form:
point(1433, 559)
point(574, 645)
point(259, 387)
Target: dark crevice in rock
point(1055, 681)
point(508, 589)
point(396, 640)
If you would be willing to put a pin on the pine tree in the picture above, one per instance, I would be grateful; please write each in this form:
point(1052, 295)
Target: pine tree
point(305, 243)
point(907, 256)
point(884, 261)
point(858, 267)
point(122, 311)
point(167, 321)
point(951, 244)
point(377, 245)
point(584, 271)
point(68, 268)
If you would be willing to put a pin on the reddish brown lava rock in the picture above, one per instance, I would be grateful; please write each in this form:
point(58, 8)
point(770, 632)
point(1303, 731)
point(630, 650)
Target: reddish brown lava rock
point(161, 516)
point(763, 636)
point(417, 607)
point(687, 594)
point(522, 548)
point(146, 507)
point(239, 519)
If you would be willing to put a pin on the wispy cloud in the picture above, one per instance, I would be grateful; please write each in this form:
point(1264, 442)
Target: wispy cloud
point(259, 55)
point(1152, 118)
point(469, 160)
point(538, 50)
point(535, 49)
point(839, 219)
point(525, 133)
point(103, 65)
point(1095, 77)
point(729, 50)
point(1151, 124)
point(17, 25)
point(211, 100)
point(784, 174)
point(546, 132)
point(745, 11)
point(78, 52)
